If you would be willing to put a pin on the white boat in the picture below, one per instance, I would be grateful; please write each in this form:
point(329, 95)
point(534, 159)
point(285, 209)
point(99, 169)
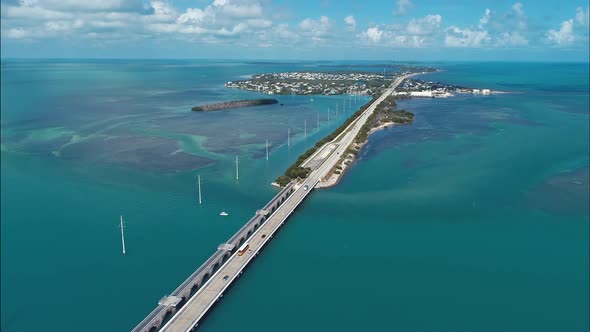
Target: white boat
point(224, 214)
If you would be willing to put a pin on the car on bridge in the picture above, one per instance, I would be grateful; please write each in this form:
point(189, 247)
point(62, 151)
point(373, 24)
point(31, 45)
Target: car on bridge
point(226, 277)
point(305, 187)
point(263, 236)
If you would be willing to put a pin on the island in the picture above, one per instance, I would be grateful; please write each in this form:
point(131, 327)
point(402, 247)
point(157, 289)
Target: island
point(351, 83)
point(322, 83)
point(234, 104)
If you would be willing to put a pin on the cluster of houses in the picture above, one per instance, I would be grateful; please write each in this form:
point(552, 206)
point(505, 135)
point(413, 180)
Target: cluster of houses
point(303, 83)
point(419, 88)
point(319, 76)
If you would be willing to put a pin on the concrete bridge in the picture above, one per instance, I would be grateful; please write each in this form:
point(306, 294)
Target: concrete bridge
point(170, 303)
point(184, 307)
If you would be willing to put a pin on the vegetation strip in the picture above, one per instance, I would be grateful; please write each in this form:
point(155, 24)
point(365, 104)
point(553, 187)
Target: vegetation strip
point(383, 114)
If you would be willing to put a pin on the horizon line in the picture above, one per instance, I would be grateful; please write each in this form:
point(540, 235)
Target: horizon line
point(298, 60)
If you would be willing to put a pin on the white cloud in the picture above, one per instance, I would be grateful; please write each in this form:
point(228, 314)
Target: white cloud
point(90, 5)
point(112, 20)
point(418, 32)
point(457, 37)
point(517, 8)
point(485, 18)
point(316, 30)
point(192, 16)
point(423, 26)
point(256, 23)
point(512, 39)
point(504, 30)
point(402, 7)
point(563, 36)
point(582, 17)
point(350, 23)
point(373, 34)
point(241, 9)
point(17, 33)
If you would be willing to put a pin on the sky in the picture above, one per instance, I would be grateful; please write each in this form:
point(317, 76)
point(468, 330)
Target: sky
point(405, 30)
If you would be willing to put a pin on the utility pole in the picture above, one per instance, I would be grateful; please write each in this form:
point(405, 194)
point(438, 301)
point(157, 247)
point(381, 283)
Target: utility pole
point(199, 181)
point(318, 120)
point(305, 128)
point(237, 169)
point(122, 236)
point(266, 149)
point(289, 137)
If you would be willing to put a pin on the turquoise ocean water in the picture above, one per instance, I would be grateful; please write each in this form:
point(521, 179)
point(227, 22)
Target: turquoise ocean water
point(474, 218)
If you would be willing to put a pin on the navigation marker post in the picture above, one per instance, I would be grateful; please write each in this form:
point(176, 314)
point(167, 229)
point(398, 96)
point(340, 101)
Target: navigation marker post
point(266, 149)
point(122, 235)
point(318, 121)
point(288, 137)
point(305, 128)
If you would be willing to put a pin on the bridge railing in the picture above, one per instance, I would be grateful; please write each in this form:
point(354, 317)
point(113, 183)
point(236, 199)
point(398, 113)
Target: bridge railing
point(147, 323)
point(252, 220)
point(195, 275)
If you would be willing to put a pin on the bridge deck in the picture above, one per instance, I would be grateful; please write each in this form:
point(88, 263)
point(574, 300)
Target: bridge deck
point(199, 304)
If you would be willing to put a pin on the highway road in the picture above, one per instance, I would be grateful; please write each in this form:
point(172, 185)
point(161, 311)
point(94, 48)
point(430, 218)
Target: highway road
point(190, 314)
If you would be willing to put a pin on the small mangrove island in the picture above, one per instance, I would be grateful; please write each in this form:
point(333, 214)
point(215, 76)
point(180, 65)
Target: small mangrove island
point(234, 104)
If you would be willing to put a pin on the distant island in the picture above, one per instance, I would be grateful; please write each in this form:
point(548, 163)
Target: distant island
point(234, 104)
point(322, 83)
point(351, 83)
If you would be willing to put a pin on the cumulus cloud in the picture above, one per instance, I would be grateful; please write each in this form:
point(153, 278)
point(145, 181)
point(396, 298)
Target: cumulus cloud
point(517, 8)
point(418, 32)
point(508, 29)
point(424, 26)
point(581, 16)
point(372, 35)
point(514, 38)
point(255, 23)
point(350, 23)
point(119, 19)
point(485, 18)
point(457, 37)
point(402, 6)
point(563, 36)
point(317, 30)
point(90, 5)
point(573, 30)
